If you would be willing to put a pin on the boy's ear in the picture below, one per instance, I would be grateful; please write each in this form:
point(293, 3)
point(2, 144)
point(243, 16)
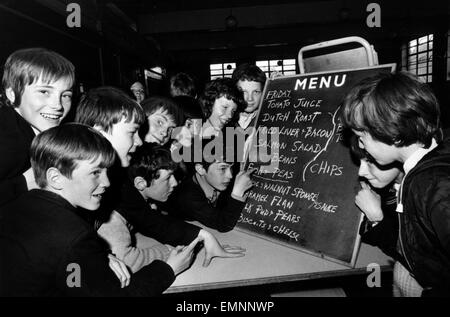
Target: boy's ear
point(54, 178)
point(9, 92)
point(200, 169)
point(140, 183)
point(99, 129)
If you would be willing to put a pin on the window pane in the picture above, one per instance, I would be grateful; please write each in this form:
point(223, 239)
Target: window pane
point(423, 47)
point(289, 67)
point(430, 78)
point(412, 49)
point(273, 63)
point(289, 62)
point(422, 70)
point(215, 66)
point(423, 79)
point(422, 57)
point(289, 73)
point(413, 43)
point(216, 72)
point(262, 63)
point(423, 39)
point(430, 37)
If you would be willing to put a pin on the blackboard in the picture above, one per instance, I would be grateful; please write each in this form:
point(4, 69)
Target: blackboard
point(307, 202)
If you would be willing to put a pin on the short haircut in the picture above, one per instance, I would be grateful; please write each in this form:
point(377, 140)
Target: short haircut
point(154, 103)
point(190, 107)
point(26, 66)
point(394, 109)
point(361, 154)
point(249, 72)
point(221, 87)
point(148, 160)
point(106, 106)
point(182, 84)
point(63, 146)
point(208, 155)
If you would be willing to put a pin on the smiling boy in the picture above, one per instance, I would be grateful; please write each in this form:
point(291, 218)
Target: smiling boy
point(163, 115)
point(37, 95)
point(220, 101)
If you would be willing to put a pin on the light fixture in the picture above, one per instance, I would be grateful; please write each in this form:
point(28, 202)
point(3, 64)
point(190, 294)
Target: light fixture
point(231, 21)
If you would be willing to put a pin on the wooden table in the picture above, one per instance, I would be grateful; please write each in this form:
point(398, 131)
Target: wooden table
point(267, 262)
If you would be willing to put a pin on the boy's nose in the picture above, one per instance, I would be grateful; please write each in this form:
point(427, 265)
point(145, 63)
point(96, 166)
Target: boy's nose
point(228, 173)
point(250, 97)
point(137, 140)
point(363, 171)
point(104, 180)
point(173, 181)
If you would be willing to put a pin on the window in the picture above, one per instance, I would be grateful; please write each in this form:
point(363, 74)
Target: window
point(221, 70)
point(417, 58)
point(284, 66)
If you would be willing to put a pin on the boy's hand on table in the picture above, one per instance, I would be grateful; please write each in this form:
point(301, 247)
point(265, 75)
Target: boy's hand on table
point(120, 269)
point(214, 249)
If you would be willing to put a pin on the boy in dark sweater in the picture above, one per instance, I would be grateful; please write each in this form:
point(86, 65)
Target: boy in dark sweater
point(37, 95)
point(47, 249)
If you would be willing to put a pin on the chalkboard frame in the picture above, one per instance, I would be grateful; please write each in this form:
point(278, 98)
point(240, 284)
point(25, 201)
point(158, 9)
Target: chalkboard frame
point(389, 67)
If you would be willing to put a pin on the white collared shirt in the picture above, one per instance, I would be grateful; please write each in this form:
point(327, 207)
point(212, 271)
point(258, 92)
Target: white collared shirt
point(412, 161)
point(245, 119)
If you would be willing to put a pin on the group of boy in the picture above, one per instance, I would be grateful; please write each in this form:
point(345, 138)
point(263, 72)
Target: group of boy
point(47, 227)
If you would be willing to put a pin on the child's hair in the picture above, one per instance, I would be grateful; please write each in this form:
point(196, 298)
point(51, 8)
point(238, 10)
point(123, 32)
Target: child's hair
point(209, 154)
point(155, 103)
point(106, 106)
point(220, 87)
point(394, 109)
point(63, 146)
point(361, 154)
point(181, 84)
point(249, 72)
point(148, 160)
point(26, 66)
point(190, 107)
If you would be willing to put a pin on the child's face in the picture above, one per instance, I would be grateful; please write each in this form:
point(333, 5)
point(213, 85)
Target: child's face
point(219, 175)
point(222, 112)
point(252, 94)
point(161, 187)
point(160, 127)
point(44, 105)
point(139, 95)
point(383, 153)
point(125, 139)
point(377, 177)
point(86, 185)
